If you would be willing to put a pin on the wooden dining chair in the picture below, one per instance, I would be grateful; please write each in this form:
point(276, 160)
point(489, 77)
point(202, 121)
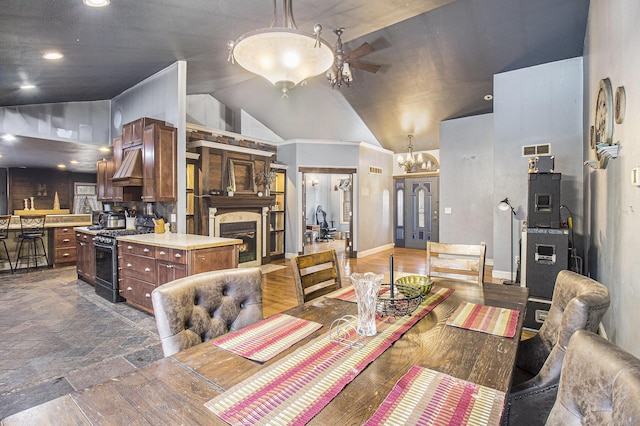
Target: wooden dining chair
point(464, 262)
point(316, 274)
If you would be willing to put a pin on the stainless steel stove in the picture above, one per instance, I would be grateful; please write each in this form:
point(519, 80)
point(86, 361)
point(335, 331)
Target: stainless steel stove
point(106, 254)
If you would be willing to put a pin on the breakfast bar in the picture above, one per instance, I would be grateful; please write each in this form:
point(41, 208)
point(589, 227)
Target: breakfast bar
point(174, 390)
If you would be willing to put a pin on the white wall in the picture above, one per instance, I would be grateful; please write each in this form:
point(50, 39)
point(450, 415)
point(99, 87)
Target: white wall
point(612, 205)
point(541, 104)
point(466, 177)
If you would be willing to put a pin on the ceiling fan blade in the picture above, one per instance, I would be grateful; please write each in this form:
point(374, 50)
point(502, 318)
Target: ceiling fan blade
point(364, 49)
point(365, 67)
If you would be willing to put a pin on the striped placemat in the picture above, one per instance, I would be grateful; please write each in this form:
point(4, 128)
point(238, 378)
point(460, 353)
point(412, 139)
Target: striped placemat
point(487, 319)
point(265, 339)
point(427, 397)
point(295, 390)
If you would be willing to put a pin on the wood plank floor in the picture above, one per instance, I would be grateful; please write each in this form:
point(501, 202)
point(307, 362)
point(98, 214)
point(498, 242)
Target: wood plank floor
point(278, 286)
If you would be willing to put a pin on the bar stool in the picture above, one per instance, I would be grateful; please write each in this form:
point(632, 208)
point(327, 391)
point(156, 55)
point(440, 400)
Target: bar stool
point(4, 234)
point(32, 231)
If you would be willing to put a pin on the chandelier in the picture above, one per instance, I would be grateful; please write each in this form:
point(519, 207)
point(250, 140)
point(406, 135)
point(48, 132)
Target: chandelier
point(414, 163)
point(283, 55)
point(340, 73)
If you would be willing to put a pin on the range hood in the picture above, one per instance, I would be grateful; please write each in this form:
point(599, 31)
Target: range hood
point(130, 171)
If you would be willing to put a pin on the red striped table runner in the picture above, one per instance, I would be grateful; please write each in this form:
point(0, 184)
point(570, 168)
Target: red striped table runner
point(427, 397)
point(297, 388)
point(486, 319)
point(265, 339)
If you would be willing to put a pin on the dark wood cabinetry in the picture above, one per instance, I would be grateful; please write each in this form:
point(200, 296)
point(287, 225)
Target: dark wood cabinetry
point(277, 215)
point(132, 132)
point(85, 257)
point(62, 247)
point(159, 163)
point(143, 267)
point(105, 170)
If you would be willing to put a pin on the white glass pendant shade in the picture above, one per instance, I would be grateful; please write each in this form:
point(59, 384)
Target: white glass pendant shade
point(284, 56)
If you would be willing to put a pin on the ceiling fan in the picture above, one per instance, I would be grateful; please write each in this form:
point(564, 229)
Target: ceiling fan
point(340, 73)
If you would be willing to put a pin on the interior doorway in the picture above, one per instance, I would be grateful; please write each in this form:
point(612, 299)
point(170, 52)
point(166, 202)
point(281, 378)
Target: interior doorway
point(417, 206)
point(327, 209)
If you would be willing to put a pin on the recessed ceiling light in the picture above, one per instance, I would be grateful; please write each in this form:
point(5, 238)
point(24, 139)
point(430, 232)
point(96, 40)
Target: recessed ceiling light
point(488, 97)
point(27, 86)
point(96, 3)
point(104, 149)
point(74, 161)
point(62, 166)
point(9, 138)
point(53, 55)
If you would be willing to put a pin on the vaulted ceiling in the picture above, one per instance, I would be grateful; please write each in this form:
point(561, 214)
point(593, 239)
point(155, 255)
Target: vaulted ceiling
point(437, 58)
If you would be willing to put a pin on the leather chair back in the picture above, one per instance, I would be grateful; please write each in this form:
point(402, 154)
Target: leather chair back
point(201, 307)
point(578, 303)
point(599, 385)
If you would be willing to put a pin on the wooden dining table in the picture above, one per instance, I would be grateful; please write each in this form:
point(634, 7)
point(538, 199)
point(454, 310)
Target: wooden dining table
point(173, 390)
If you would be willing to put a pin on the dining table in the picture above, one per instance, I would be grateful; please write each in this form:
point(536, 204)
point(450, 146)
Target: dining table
point(176, 389)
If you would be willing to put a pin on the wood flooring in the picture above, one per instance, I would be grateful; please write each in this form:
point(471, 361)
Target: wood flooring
point(279, 293)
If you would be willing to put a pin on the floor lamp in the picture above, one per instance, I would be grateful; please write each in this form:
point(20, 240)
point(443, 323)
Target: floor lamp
point(505, 205)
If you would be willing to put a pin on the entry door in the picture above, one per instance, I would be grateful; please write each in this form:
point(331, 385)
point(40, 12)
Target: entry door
point(421, 211)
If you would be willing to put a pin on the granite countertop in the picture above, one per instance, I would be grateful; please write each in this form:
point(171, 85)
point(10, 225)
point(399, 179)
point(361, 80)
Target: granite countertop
point(56, 221)
point(180, 241)
point(86, 230)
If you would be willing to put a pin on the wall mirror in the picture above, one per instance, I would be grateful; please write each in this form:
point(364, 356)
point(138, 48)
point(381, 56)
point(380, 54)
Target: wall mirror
point(242, 176)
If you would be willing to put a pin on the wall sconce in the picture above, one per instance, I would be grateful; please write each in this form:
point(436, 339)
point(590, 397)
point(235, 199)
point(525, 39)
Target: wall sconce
point(315, 182)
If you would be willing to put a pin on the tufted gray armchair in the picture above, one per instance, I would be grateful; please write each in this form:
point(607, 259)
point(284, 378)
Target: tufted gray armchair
point(201, 307)
point(599, 385)
point(578, 303)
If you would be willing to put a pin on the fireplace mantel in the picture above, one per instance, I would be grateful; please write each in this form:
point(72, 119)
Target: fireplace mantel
point(239, 202)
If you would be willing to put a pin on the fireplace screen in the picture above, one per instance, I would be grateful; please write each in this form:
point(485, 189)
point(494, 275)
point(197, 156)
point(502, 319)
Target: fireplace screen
point(245, 231)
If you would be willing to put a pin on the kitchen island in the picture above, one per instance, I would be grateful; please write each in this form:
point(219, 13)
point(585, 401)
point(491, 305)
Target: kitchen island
point(58, 238)
point(146, 261)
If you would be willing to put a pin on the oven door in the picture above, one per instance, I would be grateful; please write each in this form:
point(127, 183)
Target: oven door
point(105, 255)
point(107, 272)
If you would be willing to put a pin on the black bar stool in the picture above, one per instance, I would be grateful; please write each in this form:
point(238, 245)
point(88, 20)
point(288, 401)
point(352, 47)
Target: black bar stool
point(32, 231)
point(4, 234)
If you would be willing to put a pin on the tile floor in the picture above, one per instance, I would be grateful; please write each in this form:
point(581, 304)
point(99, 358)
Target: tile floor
point(57, 335)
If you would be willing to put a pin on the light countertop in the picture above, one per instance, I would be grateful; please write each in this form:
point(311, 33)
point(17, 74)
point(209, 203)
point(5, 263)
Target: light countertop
point(180, 241)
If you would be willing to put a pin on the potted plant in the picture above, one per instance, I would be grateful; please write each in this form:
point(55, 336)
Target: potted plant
point(230, 191)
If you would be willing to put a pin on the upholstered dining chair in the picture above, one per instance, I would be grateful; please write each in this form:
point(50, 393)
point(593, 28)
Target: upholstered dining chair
point(578, 303)
point(200, 307)
point(599, 384)
point(316, 274)
point(463, 262)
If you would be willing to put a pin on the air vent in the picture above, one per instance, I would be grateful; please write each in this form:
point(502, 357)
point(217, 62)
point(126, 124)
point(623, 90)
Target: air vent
point(375, 170)
point(534, 150)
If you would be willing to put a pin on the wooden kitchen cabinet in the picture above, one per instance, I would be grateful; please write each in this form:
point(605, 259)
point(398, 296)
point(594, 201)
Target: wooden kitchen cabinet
point(85, 257)
point(144, 267)
point(132, 132)
point(106, 168)
point(62, 247)
point(159, 163)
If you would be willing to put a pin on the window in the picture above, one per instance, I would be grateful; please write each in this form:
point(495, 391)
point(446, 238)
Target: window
point(400, 207)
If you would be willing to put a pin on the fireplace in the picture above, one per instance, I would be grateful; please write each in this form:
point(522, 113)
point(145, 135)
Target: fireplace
point(245, 231)
point(250, 226)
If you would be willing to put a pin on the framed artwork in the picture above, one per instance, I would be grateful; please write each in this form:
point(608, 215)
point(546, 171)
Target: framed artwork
point(242, 177)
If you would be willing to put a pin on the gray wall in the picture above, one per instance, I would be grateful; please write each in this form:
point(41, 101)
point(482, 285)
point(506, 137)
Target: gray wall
point(373, 208)
point(161, 96)
point(541, 104)
point(612, 204)
point(466, 177)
